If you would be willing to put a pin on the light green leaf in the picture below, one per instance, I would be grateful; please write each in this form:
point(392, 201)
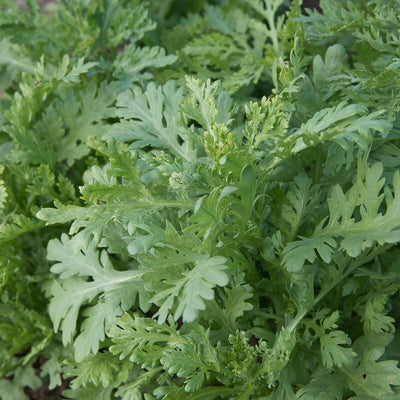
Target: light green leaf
point(193, 360)
point(333, 353)
point(375, 318)
point(236, 304)
point(302, 199)
point(354, 235)
point(136, 338)
point(189, 292)
point(149, 118)
point(85, 276)
point(296, 253)
point(371, 379)
point(70, 75)
point(90, 393)
point(132, 63)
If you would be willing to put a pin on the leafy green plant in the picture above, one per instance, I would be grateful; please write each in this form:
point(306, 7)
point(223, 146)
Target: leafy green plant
point(201, 201)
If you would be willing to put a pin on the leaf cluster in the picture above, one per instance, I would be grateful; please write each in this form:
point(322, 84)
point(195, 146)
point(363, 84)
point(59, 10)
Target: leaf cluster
point(200, 200)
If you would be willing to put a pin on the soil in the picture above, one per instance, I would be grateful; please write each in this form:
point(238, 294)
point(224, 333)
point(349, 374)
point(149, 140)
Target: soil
point(44, 393)
point(311, 4)
point(43, 3)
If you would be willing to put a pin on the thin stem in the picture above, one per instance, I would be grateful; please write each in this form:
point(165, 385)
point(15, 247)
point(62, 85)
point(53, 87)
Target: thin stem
point(163, 9)
point(302, 313)
point(52, 38)
point(363, 260)
point(317, 164)
point(206, 393)
point(249, 390)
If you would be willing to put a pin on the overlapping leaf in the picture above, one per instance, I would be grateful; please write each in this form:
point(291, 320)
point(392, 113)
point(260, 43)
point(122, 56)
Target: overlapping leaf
point(353, 232)
point(88, 276)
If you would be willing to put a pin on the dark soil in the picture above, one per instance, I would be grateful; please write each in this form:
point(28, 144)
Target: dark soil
point(44, 393)
point(311, 4)
point(43, 3)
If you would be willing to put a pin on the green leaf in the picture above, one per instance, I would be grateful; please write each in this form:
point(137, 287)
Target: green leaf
point(371, 379)
point(236, 304)
point(3, 194)
point(267, 9)
point(148, 343)
point(132, 390)
point(232, 47)
point(354, 235)
point(89, 393)
point(18, 225)
point(267, 122)
point(86, 275)
point(13, 60)
point(54, 367)
point(248, 190)
point(296, 253)
point(143, 114)
point(131, 64)
point(193, 360)
point(99, 370)
point(326, 73)
point(224, 224)
point(285, 390)
point(324, 385)
point(83, 114)
point(71, 75)
point(22, 329)
point(209, 212)
point(340, 125)
point(187, 294)
point(333, 353)
point(302, 199)
point(375, 318)
point(142, 340)
point(123, 162)
point(200, 105)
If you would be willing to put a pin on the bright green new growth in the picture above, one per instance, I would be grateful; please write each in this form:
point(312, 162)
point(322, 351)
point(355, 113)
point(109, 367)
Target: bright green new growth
point(200, 201)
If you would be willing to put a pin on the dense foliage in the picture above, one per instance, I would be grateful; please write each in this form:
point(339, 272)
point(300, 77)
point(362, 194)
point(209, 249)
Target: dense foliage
point(200, 199)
